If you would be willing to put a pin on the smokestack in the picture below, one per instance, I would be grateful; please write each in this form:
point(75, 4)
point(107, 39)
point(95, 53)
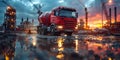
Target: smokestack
point(115, 13)
point(27, 19)
point(32, 21)
point(86, 17)
point(22, 21)
point(110, 16)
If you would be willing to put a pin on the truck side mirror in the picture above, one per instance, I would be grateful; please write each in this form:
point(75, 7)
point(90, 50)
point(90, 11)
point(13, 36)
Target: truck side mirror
point(76, 14)
point(56, 13)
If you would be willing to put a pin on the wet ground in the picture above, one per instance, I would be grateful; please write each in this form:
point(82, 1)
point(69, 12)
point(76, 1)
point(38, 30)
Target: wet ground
point(75, 47)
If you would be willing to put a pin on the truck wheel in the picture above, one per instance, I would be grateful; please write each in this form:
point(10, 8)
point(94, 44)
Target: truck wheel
point(52, 32)
point(43, 31)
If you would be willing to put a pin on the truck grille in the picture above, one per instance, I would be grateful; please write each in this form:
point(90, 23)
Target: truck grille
point(70, 25)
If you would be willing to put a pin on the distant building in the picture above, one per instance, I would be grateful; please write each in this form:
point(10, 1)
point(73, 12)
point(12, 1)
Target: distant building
point(27, 26)
point(81, 24)
point(115, 27)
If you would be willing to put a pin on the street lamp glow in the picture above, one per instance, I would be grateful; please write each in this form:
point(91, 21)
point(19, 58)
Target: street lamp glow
point(61, 1)
point(8, 7)
point(34, 42)
point(88, 4)
point(76, 46)
point(110, 2)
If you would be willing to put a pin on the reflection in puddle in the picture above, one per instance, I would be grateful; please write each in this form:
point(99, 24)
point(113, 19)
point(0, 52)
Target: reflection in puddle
point(7, 58)
point(76, 46)
point(62, 47)
point(34, 40)
point(60, 54)
point(7, 46)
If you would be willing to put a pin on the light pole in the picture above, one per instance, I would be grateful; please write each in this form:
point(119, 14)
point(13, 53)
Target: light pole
point(110, 20)
point(86, 14)
point(115, 13)
point(86, 17)
point(102, 12)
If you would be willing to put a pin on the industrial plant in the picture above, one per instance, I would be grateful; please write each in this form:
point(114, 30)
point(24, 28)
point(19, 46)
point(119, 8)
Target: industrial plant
point(59, 30)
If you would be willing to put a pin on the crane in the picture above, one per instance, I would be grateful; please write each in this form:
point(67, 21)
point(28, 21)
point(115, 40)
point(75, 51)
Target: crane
point(37, 8)
point(104, 10)
point(86, 14)
point(39, 12)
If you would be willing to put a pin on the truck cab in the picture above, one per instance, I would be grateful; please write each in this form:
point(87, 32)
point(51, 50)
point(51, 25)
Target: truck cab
point(64, 18)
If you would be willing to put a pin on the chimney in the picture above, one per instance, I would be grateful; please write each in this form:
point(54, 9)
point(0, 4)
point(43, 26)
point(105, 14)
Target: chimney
point(22, 21)
point(27, 19)
point(86, 17)
point(110, 18)
point(115, 14)
point(32, 21)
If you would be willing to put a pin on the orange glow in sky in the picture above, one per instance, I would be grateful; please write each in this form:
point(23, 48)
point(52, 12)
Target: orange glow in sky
point(96, 20)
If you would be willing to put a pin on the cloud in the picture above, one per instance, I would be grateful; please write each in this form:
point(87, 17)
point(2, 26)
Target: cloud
point(25, 9)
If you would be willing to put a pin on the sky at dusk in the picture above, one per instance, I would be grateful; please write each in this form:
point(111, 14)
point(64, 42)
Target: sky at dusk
point(25, 9)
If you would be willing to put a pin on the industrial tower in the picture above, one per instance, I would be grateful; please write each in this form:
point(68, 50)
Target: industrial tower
point(9, 18)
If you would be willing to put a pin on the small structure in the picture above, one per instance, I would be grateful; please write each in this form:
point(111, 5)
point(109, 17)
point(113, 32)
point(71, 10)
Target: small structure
point(115, 28)
point(27, 26)
point(81, 25)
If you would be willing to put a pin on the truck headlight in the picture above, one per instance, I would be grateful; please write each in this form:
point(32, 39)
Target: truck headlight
point(60, 27)
point(76, 27)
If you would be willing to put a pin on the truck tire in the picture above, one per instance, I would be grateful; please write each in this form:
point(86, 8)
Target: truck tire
point(52, 29)
point(43, 32)
point(52, 32)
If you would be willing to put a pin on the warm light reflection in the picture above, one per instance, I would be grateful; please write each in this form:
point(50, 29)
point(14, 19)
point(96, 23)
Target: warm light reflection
point(99, 38)
point(60, 42)
point(6, 57)
point(60, 55)
point(34, 42)
point(76, 46)
point(60, 49)
point(109, 58)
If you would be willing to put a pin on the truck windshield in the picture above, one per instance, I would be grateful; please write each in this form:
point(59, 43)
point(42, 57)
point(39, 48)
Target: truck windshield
point(67, 13)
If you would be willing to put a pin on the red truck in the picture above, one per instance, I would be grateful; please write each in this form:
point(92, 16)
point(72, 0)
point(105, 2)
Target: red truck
point(59, 20)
